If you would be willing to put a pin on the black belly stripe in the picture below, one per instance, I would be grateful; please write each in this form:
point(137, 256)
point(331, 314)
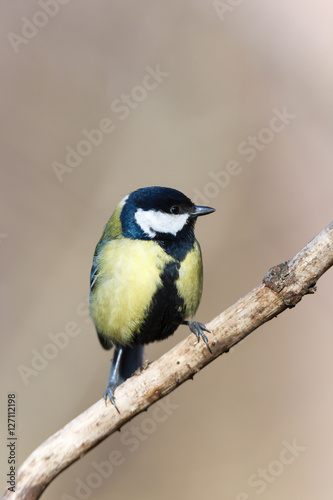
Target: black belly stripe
point(166, 311)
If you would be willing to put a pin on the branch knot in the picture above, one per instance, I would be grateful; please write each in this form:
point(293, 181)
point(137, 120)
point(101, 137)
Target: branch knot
point(276, 277)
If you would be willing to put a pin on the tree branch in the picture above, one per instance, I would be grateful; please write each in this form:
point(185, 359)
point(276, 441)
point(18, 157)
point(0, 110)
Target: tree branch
point(283, 286)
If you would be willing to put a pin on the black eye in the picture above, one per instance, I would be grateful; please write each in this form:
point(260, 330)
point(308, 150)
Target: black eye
point(174, 210)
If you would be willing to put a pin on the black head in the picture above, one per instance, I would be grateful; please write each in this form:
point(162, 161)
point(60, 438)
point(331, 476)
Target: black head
point(159, 213)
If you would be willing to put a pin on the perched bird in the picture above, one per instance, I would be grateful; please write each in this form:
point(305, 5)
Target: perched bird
point(146, 277)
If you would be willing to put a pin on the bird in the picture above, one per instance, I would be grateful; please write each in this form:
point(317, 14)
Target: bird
point(146, 277)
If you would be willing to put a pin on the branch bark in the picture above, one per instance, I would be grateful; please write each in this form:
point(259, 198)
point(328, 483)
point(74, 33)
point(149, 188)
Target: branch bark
point(283, 287)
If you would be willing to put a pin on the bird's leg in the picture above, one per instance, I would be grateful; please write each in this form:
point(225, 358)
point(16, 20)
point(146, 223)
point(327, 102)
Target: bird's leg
point(114, 377)
point(197, 329)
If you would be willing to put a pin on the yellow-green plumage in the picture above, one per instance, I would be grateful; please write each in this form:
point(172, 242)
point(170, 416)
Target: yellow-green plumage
point(129, 276)
point(113, 227)
point(189, 283)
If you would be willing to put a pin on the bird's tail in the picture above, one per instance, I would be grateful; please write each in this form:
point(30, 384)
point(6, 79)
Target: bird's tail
point(131, 360)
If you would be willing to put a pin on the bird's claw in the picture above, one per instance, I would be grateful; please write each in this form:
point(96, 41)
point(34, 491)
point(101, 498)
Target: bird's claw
point(109, 393)
point(198, 330)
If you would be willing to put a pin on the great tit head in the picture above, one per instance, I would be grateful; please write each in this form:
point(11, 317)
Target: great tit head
point(159, 213)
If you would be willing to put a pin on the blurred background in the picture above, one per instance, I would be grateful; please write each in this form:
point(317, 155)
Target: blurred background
point(231, 103)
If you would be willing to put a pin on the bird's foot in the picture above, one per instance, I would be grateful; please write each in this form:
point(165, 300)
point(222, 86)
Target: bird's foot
point(198, 330)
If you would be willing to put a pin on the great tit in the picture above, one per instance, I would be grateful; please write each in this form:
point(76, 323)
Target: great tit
point(146, 277)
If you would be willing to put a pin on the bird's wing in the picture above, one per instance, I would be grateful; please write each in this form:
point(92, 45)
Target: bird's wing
point(93, 274)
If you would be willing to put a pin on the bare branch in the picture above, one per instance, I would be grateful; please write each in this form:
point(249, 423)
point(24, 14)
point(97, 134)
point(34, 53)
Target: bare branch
point(283, 286)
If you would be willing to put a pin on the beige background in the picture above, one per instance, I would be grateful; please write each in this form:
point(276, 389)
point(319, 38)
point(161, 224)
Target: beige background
point(227, 73)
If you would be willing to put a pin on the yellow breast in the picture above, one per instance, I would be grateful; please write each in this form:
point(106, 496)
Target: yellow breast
point(189, 283)
point(128, 277)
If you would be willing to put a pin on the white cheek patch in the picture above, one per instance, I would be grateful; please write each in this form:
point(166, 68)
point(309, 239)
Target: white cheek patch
point(152, 222)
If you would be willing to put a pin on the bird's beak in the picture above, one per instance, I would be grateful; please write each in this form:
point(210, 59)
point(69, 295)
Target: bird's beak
point(202, 211)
